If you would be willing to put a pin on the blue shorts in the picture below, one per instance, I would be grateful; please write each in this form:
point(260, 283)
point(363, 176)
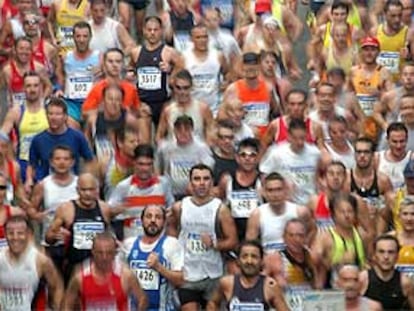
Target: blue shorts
point(74, 109)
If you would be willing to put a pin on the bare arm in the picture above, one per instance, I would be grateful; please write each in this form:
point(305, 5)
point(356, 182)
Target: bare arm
point(36, 199)
point(125, 39)
point(229, 240)
point(217, 297)
point(253, 225)
point(292, 24)
point(54, 282)
point(72, 293)
point(135, 289)
point(174, 220)
point(10, 120)
point(275, 294)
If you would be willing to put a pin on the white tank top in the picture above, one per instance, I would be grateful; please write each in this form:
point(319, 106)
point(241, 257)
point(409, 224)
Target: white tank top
point(199, 262)
point(53, 196)
point(394, 170)
point(192, 111)
point(272, 226)
point(18, 280)
point(206, 77)
point(348, 159)
point(17, 28)
point(314, 116)
point(104, 36)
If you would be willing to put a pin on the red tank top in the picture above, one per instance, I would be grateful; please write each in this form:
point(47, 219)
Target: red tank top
point(8, 215)
point(322, 210)
point(283, 131)
point(107, 296)
point(39, 54)
point(16, 79)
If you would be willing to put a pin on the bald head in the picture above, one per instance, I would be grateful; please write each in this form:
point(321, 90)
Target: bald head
point(88, 178)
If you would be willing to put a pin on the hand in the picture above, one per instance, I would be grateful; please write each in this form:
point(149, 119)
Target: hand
point(152, 261)
point(63, 234)
point(164, 66)
point(207, 240)
point(59, 93)
point(28, 185)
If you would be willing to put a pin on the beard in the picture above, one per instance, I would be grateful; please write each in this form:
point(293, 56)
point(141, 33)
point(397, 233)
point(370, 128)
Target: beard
point(152, 230)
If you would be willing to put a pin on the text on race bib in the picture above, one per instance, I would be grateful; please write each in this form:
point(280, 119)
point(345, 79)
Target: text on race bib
point(390, 60)
point(84, 233)
point(149, 279)
point(195, 245)
point(149, 78)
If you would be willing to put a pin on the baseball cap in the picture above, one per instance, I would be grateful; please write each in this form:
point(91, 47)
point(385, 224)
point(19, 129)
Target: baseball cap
point(370, 41)
point(409, 169)
point(263, 6)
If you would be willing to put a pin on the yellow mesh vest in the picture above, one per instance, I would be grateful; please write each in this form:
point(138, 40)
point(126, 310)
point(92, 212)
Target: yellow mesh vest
point(390, 56)
point(277, 14)
point(65, 19)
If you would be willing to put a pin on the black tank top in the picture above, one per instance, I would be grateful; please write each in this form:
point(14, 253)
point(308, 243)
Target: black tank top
point(254, 294)
point(86, 224)
point(373, 190)
point(150, 88)
point(103, 126)
point(241, 223)
point(182, 24)
point(388, 293)
point(221, 166)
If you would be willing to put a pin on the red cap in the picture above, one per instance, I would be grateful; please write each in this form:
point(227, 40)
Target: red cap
point(370, 41)
point(263, 6)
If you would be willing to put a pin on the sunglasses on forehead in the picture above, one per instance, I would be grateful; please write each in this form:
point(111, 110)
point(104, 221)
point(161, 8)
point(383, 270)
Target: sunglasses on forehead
point(31, 22)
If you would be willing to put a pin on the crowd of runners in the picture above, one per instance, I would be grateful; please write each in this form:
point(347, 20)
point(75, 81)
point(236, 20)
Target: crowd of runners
point(159, 155)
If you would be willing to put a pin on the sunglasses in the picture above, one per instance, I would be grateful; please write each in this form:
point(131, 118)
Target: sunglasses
point(31, 22)
point(3, 187)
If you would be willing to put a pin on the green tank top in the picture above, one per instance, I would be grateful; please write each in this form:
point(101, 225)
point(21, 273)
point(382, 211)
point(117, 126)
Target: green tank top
point(341, 245)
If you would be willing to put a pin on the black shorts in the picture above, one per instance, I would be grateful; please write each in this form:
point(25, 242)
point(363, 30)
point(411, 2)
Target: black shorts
point(199, 292)
point(137, 4)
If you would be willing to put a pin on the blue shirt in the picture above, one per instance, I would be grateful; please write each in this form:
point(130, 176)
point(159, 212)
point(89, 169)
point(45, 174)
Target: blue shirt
point(44, 142)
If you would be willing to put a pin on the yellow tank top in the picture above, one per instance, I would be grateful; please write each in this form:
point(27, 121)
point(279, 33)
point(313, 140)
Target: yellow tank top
point(341, 245)
point(399, 197)
point(353, 17)
point(405, 262)
point(294, 275)
point(31, 124)
point(277, 6)
point(345, 62)
point(390, 56)
point(366, 88)
point(65, 19)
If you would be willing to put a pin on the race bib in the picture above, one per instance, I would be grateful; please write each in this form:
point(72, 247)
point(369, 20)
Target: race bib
point(257, 113)
point(194, 244)
point(100, 305)
point(390, 60)
point(18, 98)
point(79, 86)
point(149, 78)
point(243, 203)
point(181, 40)
point(149, 279)
point(366, 102)
point(24, 146)
point(246, 306)
point(13, 298)
point(204, 81)
point(274, 247)
point(65, 35)
point(84, 233)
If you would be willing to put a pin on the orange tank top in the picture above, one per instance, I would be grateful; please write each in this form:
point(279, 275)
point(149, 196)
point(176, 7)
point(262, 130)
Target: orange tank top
point(256, 103)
